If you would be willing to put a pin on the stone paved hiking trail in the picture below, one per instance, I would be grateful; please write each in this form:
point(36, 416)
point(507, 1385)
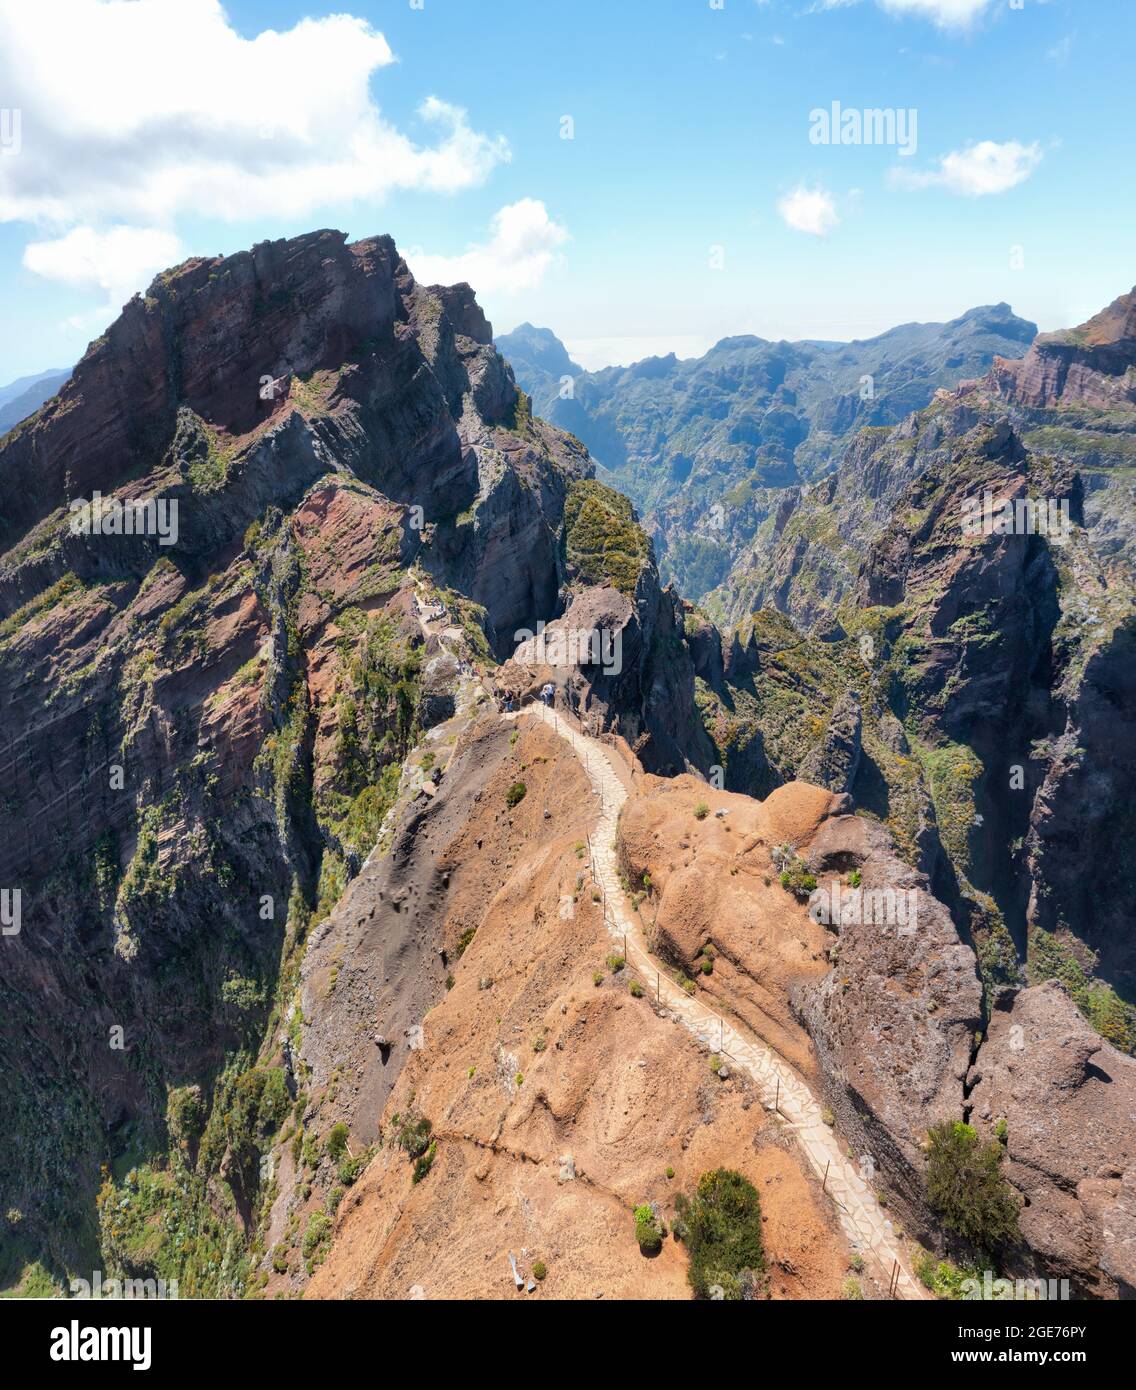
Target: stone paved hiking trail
point(860, 1214)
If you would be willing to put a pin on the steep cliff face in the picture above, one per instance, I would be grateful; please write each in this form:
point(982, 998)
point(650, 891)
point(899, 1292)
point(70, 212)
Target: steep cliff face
point(206, 707)
point(1063, 1101)
point(1088, 366)
point(619, 651)
point(894, 1023)
point(1001, 650)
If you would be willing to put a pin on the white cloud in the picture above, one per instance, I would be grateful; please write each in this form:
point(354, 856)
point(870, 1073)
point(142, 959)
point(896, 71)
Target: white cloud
point(522, 245)
point(811, 210)
point(948, 14)
point(118, 262)
point(135, 111)
point(979, 170)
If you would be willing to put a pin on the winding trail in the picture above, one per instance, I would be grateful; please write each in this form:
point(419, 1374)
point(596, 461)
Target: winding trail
point(864, 1221)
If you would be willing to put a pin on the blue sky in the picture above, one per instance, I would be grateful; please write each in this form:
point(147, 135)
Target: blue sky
point(690, 203)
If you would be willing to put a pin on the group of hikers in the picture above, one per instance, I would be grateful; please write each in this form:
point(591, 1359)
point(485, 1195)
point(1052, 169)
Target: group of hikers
point(510, 698)
point(432, 611)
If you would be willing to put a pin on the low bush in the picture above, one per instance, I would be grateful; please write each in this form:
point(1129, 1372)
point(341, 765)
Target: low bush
point(413, 1135)
point(337, 1141)
point(647, 1231)
point(796, 879)
point(966, 1186)
point(724, 1238)
point(423, 1164)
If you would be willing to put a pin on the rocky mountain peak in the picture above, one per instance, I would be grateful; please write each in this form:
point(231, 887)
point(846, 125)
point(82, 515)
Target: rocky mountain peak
point(1093, 365)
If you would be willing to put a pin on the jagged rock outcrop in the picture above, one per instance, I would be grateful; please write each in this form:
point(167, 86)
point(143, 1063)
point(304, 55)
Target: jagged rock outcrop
point(894, 1022)
point(618, 650)
point(1094, 365)
point(1065, 1103)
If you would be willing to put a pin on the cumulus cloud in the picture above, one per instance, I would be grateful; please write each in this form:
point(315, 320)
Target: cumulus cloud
point(118, 261)
point(134, 111)
point(522, 245)
point(811, 210)
point(977, 171)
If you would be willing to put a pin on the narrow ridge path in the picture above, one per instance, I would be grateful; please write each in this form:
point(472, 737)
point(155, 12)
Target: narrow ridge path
point(860, 1214)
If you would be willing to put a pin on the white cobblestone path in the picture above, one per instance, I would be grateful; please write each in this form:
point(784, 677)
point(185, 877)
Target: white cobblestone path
point(860, 1214)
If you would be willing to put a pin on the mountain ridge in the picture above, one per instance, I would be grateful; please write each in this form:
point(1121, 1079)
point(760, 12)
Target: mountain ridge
point(705, 446)
point(275, 838)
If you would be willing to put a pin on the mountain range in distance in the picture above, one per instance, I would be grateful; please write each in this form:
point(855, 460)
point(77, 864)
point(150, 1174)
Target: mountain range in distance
point(25, 395)
point(705, 447)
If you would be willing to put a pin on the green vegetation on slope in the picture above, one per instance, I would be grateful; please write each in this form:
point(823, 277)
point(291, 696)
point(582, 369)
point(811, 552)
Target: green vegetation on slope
point(605, 543)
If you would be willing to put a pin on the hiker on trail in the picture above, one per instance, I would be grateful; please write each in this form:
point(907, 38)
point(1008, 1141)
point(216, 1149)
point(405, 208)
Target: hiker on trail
point(548, 694)
point(508, 702)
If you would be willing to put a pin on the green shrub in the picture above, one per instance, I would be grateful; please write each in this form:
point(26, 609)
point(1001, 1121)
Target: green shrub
point(413, 1135)
point(615, 964)
point(966, 1187)
point(337, 1141)
point(540, 1269)
point(598, 978)
point(647, 1231)
point(796, 879)
point(423, 1164)
point(941, 1277)
point(636, 989)
point(723, 1223)
point(852, 1290)
point(185, 1115)
point(350, 1168)
point(516, 794)
point(316, 1238)
point(701, 811)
